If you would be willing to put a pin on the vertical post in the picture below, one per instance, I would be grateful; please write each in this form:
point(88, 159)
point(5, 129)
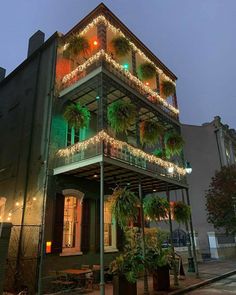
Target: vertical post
point(102, 284)
point(176, 283)
point(191, 267)
point(158, 83)
point(102, 36)
point(134, 66)
point(192, 236)
point(146, 292)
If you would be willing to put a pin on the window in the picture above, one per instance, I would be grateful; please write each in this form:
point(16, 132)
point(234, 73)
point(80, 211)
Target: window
point(2, 207)
point(72, 223)
point(109, 228)
point(72, 136)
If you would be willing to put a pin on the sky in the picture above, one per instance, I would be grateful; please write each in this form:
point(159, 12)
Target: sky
point(196, 39)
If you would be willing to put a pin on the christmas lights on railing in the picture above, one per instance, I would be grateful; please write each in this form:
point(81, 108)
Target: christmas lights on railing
point(103, 136)
point(102, 19)
point(102, 54)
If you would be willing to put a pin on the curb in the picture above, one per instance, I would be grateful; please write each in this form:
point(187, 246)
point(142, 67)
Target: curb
point(203, 283)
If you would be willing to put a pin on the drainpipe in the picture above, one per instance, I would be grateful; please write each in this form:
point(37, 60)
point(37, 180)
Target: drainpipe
point(46, 174)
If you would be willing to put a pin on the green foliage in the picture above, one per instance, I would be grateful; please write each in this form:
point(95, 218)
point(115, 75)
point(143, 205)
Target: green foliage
point(173, 143)
point(77, 116)
point(121, 115)
point(130, 263)
point(150, 132)
point(221, 198)
point(121, 46)
point(160, 153)
point(77, 45)
point(124, 206)
point(155, 207)
point(147, 71)
point(167, 88)
point(156, 256)
point(181, 212)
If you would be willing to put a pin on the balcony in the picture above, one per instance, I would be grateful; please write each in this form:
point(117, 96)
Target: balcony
point(106, 63)
point(132, 161)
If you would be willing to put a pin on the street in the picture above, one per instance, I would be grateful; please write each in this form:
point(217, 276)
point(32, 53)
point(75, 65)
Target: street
point(225, 286)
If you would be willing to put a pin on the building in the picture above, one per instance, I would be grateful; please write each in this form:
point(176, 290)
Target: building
point(208, 147)
point(55, 178)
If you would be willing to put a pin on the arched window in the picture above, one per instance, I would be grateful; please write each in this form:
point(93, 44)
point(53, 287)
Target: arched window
point(72, 221)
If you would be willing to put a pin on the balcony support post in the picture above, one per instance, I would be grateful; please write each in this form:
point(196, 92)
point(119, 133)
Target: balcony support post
point(102, 283)
point(102, 36)
point(192, 237)
point(176, 283)
point(134, 65)
point(146, 292)
point(158, 83)
point(102, 106)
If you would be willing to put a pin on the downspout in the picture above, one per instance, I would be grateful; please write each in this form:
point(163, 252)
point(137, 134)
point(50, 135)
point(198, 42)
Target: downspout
point(218, 147)
point(46, 174)
point(28, 169)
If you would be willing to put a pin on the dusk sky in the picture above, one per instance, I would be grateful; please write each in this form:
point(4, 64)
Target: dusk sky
point(196, 39)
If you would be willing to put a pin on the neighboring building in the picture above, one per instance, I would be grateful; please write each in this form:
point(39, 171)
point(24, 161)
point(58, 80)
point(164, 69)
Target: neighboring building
point(52, 176)
point(208, 148)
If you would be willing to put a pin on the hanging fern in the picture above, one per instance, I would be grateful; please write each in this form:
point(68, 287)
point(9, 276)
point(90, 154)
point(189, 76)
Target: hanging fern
point(173, 143)
point(121, 115)
point(160, 153)
point(121, 46)
point(77, 116)
point(167, 88)
point(181, 212)
point(77, 45)
point(150, 132)
point(124, 206)
point(147, 71)
point(156, 208)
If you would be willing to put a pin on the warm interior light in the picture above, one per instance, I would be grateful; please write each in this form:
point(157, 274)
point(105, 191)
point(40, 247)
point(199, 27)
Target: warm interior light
point(95, 176)
point(154, 190)
point(17, 204)
point(34, 198)
point(170, 169)
point(48, 247)
point(8, 218)
point(95, 43)
point(10, 214)
point(147, 83)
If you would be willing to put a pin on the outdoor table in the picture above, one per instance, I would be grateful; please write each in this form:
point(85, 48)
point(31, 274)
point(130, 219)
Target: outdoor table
point(77, 272)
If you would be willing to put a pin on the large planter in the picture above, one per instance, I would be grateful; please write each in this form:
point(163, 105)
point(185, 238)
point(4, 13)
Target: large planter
point(121, 286)
point(161, 279)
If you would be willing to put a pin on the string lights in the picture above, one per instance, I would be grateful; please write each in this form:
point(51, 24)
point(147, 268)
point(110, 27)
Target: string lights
point(103, 136)
point(102, 19)
point(102, 54)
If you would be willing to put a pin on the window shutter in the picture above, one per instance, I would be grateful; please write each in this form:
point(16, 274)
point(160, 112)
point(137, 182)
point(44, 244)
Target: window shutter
point(85, 226)
point(58, 224)
point(119, 238)
point(97, 225)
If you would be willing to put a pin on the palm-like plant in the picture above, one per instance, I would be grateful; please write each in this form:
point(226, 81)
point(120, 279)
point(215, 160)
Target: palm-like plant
point(167, 88)
point(77, 45)
point(121, 115)
point(124, 206)
point(174, 143)
point(150, 132)
point(155, 207)
point(147, 71)
point(77, 116)
point(121, 46)
point(181, 212)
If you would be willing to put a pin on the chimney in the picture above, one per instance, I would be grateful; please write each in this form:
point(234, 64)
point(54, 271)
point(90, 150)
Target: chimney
point(35, 41)
point(2, 73)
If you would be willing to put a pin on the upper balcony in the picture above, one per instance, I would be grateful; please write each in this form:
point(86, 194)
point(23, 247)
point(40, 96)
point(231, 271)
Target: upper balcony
point(96, 45)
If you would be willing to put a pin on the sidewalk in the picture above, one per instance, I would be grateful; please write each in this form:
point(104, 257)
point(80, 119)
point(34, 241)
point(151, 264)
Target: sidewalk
point(207, 270)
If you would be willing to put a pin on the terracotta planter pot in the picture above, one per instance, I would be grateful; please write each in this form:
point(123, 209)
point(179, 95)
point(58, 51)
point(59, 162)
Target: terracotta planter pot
point(121, 286)
point(161, 279)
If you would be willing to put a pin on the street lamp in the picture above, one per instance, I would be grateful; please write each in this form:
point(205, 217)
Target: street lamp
point(188, 167)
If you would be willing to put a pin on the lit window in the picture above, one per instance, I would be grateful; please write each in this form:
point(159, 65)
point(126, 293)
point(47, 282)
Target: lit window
point(109, 228)
point(72, 224)
point(2, 207)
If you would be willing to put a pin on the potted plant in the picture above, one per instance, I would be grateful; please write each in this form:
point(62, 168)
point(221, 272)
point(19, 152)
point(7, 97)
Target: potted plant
point(167, 88)
point(173, 143)
point(77, 116)
point(150, 132)
point(155, 207)
point(77, 45)
point(121, 46)
point(147, 71)
point(160, 153)
point(158, 258)
point(181, 212)
point(127, 266)
point(121, 115)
